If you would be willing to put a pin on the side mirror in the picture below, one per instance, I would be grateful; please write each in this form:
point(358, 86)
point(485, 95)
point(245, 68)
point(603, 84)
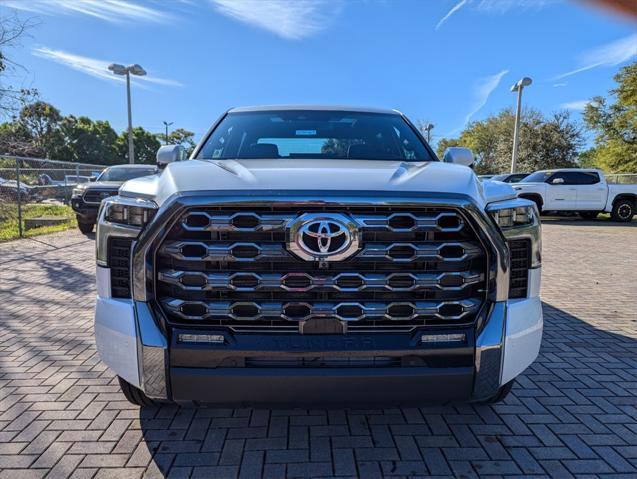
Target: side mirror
point(557, 181)
point(92, 178)
point(169, 154)
point(458, 155)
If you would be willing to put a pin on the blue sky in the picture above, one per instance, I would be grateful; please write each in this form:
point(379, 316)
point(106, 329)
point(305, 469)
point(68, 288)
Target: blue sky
point(445, 61)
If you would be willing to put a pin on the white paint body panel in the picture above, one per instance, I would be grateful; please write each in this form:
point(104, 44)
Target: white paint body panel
point(597, 197)
point(524, 326)
point(523, 330)
point(432, 177)
point(116, 337)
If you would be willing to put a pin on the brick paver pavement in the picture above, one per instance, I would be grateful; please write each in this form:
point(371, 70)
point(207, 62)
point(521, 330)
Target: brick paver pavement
point(572, 414)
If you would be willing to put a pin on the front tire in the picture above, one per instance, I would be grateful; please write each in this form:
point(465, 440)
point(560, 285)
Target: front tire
point(134, 395)
point(85, 228)
point(623, 210)
point(589, 215)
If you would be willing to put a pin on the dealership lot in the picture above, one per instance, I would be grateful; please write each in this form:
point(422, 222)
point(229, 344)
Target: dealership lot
point(574, 412)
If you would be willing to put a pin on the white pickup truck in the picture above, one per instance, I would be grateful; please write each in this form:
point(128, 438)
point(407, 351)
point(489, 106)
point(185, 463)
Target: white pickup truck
point(309, 255)
point(582, 190)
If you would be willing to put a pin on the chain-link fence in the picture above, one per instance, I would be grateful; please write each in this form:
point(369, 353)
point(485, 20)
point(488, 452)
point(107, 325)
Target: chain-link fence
point(622, 178)
point(35, 193)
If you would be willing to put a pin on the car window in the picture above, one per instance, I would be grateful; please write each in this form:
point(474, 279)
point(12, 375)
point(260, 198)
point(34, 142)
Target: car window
point(124, 174)
point(516, 178)
point(537, 177)
point(312, 134)
point(576, 177)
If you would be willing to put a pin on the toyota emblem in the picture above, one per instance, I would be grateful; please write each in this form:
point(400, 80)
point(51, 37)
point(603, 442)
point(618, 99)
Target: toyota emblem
point(323, 237)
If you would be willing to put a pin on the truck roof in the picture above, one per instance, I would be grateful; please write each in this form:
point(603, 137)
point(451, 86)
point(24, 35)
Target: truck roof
point(128, 165)
point(357, 109)
point(568, 169)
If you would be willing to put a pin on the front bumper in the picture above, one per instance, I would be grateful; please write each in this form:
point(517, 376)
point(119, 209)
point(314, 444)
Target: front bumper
point(86, 212)
point(263, 368)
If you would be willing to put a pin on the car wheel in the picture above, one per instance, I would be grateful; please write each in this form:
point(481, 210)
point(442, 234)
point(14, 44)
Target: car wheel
point(501, 394)
point(623, 210)
point(589, 215)
point(86, 228)
point(134, 395)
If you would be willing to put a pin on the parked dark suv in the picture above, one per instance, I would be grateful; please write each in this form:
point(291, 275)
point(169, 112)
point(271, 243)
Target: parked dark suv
point(87, 197)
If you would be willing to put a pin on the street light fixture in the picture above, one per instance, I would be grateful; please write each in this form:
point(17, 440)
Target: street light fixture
point(137, 70)
point(167, 124)
point(518, 87)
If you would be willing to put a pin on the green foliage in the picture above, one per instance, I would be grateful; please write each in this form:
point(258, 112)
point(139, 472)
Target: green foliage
point(182, 137)
point(9, 219)
point(88, 141)
point(615, 125)
point(41, 131)
point(552, 142)
point(146, 145)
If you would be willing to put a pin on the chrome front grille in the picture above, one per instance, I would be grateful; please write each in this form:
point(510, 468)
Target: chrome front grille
point(416, 266)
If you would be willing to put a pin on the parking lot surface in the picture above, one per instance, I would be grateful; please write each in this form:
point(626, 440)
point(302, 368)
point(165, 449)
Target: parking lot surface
point(572, 414)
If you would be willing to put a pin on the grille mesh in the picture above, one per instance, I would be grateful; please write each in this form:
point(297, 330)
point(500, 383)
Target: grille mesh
point(96, 196)
point(520, 263)
point(415, 267)
point(119, 255)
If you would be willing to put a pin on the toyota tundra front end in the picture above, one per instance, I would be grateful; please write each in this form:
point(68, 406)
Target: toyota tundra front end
point(313, 256)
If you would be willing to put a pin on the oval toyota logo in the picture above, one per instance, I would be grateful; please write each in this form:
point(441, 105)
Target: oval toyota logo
point(323, 236)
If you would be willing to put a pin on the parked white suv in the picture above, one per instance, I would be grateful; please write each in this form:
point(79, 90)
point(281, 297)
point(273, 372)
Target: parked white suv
point(315, 255)
point(582, 190)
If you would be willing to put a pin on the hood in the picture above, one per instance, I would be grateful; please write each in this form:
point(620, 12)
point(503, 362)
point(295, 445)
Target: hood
point(314, 175)
point(112, 185)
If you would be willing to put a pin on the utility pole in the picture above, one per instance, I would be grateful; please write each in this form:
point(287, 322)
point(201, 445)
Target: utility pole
point(167, 124)
point(518, 87)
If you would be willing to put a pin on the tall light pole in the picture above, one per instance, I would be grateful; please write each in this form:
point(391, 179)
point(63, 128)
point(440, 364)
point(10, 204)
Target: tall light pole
point(519, 86)
point(128, 71)
point(167, 124)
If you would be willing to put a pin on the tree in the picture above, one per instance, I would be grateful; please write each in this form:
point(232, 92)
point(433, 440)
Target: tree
point(88, 141)
point(182, 137)
point(12, 29)
point(146, 146)
point(41, 121)
point(615, 124)
point(552, 142)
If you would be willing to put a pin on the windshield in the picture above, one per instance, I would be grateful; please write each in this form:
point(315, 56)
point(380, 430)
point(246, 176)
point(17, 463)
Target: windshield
point(537, 177)
point(124, 174)
point(498, 177)
point(312, 134)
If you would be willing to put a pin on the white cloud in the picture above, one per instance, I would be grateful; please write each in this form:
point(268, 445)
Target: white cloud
point(608, 55)
point(291, 19)
point(503, 6)
point(495, 7)
point(453, 10)
point(482, 91)
point(575, 105)
point(114, 11)
point(560, 85)
point(94, 67)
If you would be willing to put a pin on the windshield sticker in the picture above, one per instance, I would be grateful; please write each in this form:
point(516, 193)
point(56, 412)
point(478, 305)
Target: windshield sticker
point(305, 132)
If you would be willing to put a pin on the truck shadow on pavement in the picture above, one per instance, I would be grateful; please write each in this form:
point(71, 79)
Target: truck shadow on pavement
point(574, 410)
point(577, 221)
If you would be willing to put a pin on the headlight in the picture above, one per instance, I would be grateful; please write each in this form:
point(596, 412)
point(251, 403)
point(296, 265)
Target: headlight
point(519, 219)
point(129, 211)
point(77, 192)
point(514, 217)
